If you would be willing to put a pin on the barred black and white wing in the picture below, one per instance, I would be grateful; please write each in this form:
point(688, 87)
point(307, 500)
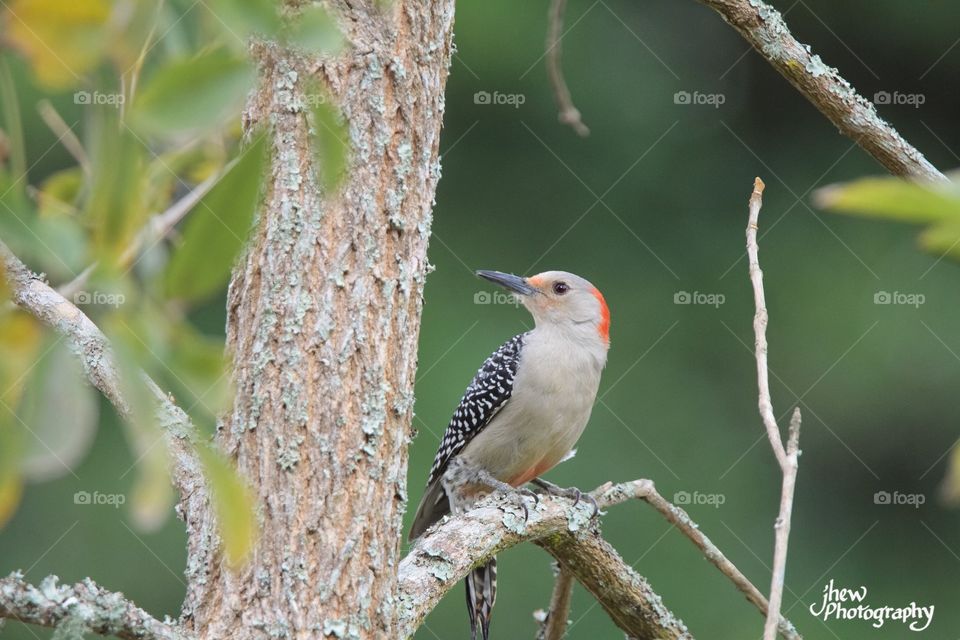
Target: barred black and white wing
point(483, 399)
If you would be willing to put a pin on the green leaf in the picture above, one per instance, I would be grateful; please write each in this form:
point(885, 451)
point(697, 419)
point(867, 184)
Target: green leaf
point(116, 208)
point(330, 136)
point(59, 192)
point(60, 410)
point(20, 338)
point(193, 94)
point(950, 488)
point(151, 496)
point(891, 199)
point(13, 127)
point(61, 40)
point(314, 30)
point(942, 240)
point(11, 449)
point(242, 18)
point(217, 230)
point(233, 503)
point(200, 369)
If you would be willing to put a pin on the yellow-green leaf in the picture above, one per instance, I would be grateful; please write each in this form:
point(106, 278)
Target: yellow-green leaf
point(200, 370)
point(314, 30)
point(942, 240)
point(58, 193)
point(242, 18)
point(891, 199)
point(20, 338)
point(950, 488)
point(217, 229)
point(62, 40)
point(234, 506)
point(193, 94)
point(60, 410)
point(331, 138)
point(19, 342)
point(11, 485)
point(152, 496)
point(116, 208)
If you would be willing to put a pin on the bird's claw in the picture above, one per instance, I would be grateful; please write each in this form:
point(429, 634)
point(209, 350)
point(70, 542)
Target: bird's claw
point(572, 493)
point(517, 493)
point(526, 493)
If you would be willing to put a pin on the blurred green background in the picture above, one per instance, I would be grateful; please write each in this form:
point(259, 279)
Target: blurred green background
point(652, 208)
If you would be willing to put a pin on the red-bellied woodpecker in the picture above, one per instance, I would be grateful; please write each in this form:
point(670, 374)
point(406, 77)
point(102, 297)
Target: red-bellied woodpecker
point(526, 407)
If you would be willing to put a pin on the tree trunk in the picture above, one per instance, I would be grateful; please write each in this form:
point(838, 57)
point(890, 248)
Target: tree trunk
point(323, 322)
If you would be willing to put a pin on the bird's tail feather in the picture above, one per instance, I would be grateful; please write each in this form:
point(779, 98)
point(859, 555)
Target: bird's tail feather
point(481, 594)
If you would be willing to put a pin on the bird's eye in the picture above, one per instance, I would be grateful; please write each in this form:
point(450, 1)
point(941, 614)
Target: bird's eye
point(560, 288)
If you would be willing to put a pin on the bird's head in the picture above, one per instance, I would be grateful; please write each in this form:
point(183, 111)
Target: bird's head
point(558, 298)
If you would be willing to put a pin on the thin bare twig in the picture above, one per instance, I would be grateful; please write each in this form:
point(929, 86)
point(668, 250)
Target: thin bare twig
point(760, 325)
point(679, 518)
point(765, 29)
point(553, 621)
point(786, 456)
point(569, 114)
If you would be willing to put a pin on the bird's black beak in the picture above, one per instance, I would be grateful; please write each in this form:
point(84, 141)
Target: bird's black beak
point(508, 281)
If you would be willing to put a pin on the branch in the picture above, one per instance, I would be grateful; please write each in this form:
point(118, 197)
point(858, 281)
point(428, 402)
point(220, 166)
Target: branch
point(553, 621)
point(96, 610)
point(679, 518)
point(30, 292)
point(447, 552)
point(764, 28)
point(786, 457)
point(760, 326)
point(569, 114)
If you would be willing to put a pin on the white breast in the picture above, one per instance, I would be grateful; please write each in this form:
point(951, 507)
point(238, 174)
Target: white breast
point(553, 395)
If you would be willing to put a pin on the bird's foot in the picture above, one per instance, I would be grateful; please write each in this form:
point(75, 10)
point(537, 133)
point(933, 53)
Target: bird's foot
point(516, 493)
point(572, 493)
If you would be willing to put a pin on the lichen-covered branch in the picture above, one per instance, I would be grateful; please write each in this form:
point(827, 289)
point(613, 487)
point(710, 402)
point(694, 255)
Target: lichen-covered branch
point(443, 556)
point(85, 606)
point(30, 292)
point(787, 457)
point(855, 116)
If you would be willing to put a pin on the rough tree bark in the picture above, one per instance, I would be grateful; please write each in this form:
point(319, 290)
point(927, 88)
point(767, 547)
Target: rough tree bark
point(323, 323)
